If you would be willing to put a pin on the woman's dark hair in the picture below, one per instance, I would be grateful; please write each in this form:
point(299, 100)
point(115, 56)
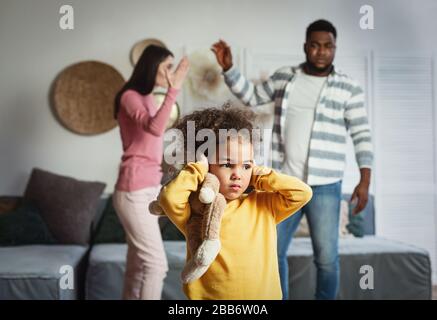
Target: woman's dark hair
point(143, 77)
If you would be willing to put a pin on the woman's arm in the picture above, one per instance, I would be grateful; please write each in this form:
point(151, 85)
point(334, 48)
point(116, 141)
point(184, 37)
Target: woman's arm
point(173, 198)
point(284, 194)
point(133, 104)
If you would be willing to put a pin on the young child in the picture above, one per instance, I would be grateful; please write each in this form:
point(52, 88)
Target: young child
point(246, 266)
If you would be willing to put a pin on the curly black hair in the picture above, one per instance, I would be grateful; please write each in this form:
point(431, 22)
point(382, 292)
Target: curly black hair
point(226, 117)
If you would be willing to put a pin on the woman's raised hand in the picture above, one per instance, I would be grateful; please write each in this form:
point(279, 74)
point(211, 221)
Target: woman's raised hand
point(176, 79)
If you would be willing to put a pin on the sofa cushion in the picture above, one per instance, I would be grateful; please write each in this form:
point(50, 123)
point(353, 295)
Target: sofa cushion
point(23, 225)
point(67, 205)
point(109, 229)
point(42, 272)
point(169, 231)
point(8, 203)
point(303, 229)
point(107, 263)
point(363, 223)
point(401, 271)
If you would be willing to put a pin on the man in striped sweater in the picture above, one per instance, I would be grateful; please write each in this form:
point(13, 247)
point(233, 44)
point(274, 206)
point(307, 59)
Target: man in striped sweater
point(316, 106)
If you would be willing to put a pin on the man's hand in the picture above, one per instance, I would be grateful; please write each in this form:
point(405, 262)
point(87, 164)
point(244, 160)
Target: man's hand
point(223, 54)
point(176, 79)
point(361, 192)
point(360, 195)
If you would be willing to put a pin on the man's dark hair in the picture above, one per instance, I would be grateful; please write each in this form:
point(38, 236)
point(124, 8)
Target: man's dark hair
point(321, 25)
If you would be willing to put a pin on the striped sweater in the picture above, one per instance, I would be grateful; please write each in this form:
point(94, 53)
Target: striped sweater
point(340, 109)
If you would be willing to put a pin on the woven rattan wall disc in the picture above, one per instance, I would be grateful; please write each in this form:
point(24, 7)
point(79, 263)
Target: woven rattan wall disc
point(138, 48)
point(83, 97)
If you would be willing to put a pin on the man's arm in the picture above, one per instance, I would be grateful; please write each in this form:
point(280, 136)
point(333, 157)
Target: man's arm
point(245, 90)
point(250, 94)
point(358, 125)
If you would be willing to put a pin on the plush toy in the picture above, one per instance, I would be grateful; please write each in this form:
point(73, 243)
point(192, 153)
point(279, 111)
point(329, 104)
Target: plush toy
point(203, 227)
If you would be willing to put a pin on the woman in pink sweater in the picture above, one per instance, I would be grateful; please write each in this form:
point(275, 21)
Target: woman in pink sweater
point(142, 125)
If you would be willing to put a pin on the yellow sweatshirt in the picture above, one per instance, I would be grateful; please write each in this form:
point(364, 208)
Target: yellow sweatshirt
point(247, 265)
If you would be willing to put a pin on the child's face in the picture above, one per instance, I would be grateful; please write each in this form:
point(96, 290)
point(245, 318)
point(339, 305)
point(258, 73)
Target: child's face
point(234, 169)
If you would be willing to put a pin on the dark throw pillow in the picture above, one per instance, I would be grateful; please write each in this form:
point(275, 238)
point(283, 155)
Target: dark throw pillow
point(110, 229)
point(356, 222)
point(24, 225)
point(169, 230)
point(67, 205)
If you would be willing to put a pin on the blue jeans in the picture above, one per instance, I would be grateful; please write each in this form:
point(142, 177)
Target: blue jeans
point(322, 213)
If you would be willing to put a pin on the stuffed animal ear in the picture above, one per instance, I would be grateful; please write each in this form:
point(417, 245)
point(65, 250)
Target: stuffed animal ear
point(170, 172)
point(210, 188)
point(211, 181)
point(155, 208)
point(206, 195)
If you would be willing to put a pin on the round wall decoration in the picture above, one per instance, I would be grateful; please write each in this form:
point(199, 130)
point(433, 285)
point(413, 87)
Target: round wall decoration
point(139, 47)
point(83, 97)
point(175, 111)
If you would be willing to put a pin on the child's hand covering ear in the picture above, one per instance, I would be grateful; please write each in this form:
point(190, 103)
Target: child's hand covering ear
point(257, 172)
point(260, 170)
point(203, 160)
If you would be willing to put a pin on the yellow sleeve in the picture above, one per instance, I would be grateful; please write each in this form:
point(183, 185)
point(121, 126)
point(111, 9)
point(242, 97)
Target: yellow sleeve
point(284, 194)
point(173, 198)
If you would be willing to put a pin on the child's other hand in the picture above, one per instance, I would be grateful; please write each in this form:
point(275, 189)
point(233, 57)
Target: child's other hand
point(260, 170)
point(257, 172)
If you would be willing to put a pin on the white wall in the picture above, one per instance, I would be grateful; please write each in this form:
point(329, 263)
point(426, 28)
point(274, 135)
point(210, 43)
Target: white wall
point(33, 50)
